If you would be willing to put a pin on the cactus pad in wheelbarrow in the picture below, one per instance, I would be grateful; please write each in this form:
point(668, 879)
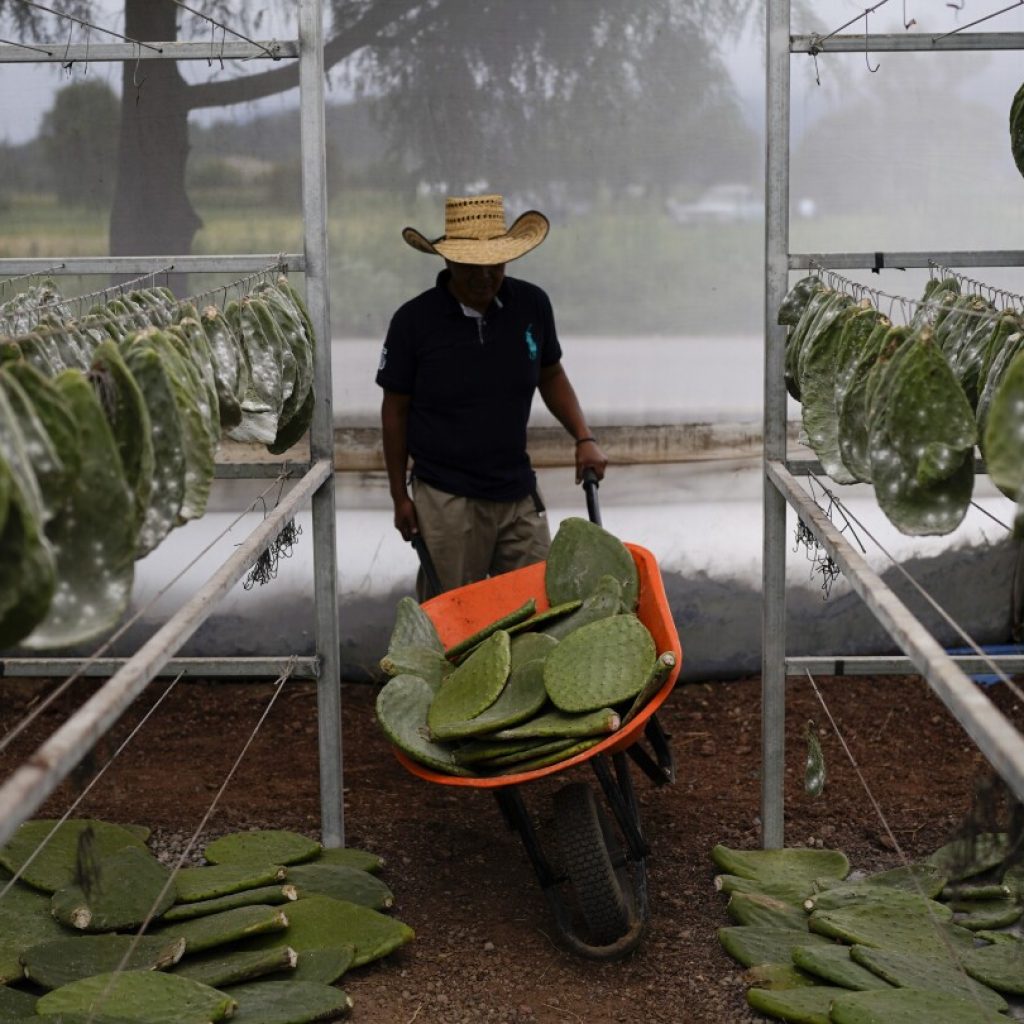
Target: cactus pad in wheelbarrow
point(600, 664)
point(473, 687)
point(580, 554)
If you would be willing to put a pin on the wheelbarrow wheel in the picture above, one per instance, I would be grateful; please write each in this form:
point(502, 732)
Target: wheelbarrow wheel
point(587, 844)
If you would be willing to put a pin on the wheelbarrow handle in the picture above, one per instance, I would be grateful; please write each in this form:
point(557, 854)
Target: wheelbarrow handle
point(433, 580)
point(590, 486)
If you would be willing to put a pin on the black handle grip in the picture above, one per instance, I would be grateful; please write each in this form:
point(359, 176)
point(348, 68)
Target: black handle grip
point(590, 486)
point(433, 580)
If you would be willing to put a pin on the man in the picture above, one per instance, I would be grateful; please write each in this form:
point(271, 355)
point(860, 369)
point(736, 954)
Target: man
point(459, 368)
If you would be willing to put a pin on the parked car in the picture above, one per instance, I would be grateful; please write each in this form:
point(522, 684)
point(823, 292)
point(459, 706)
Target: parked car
point(720, 204)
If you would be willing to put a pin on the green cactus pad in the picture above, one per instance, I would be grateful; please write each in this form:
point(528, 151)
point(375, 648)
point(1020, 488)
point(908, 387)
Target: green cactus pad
point(232, 968)
point(204, 933)
point(777, 977)
point(978, 915)
point(933, 973)
point(320, 922)
point(342, 883)
point(413, 628)
point(793, 864)
point(523, 696)
point(1000, 966)
point(751, 944)
point(149, 997)
point(554, 724)
point(890, 928)
point(581, 553)
point(269, 846)
point(965, 858)
point(265, 895)
point(486, 749)
point(758, 909)
point(833, 965)
point(54, 865)
point(323, 965)
point(600, 664)
point(793, 893)
point(130, 886)
point(351, 857)
point(922, 878)
point(473, 687)
point(553, 756)
point(862, 895)
point(62, 961)
point(978, 891)
point(15, 1004)
point(514, 617)
point(211, 881)
point(299, 1002)
point(25, 921)
point(799, 1005)
point(603, 601)
point(529, 647)
point(660, 671)
point(545, 618)
point(402, 707)
point(908, 1006)
point(417, 661)
point(532, 749)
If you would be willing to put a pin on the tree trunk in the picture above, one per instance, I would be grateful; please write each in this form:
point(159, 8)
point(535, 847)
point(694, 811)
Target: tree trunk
point(152, 214)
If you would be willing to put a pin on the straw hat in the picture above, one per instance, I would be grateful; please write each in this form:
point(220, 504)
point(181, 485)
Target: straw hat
point(475, 232)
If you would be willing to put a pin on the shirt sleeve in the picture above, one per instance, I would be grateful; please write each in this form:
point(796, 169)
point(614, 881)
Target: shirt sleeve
point(551, 350)
point(396, 370)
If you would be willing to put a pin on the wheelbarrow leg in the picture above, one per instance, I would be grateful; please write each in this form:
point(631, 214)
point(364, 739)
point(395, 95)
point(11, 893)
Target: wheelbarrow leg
point(660, 769)
point(518, 819)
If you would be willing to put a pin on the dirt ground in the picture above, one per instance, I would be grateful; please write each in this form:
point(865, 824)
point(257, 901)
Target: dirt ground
point(486, 950)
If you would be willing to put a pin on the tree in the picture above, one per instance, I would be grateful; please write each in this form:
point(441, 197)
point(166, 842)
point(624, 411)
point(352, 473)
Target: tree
point(76, 136)
point(516, 74)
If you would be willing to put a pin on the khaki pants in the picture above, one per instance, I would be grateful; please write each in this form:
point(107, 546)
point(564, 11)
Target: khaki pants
point(470, 539)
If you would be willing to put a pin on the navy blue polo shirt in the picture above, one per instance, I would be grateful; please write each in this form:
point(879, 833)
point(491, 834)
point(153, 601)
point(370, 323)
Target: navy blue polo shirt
point(472, 383)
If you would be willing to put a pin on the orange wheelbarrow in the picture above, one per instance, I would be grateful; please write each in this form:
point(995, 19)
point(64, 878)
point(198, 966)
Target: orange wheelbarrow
point(596, 886)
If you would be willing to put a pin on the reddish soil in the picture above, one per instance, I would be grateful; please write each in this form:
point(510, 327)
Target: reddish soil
point(486, 949)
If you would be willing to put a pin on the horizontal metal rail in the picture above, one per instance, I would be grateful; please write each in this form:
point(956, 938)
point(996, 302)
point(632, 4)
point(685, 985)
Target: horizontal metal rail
point(994, 735)
point(259, 470)
point(893, 665)
point(907, 260)
point(241, 668)
point(246, 263)
point(43, 53)
point(30, 784)
point(930, 42)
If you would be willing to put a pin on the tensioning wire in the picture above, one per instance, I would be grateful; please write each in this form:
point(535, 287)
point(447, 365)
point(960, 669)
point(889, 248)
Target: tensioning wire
point(6, 740)
point(85, 792)
point(978, 21)
point(904, 861)
point(87, 24)
point(989, 291)
point(35, 273)
point(240, 283)
point(947, 618)
point(226, 28)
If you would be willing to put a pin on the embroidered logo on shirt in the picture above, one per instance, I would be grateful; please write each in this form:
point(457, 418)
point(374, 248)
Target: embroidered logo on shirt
point(530, 343)
point(383, 358)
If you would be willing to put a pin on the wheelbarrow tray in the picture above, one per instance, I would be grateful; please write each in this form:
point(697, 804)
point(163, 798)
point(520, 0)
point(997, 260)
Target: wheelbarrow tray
point(459, 613)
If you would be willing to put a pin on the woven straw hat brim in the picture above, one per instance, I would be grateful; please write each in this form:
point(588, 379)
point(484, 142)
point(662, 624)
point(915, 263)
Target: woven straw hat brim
point(526, 233)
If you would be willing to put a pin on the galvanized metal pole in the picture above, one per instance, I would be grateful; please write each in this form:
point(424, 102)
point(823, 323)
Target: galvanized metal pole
point(773, 577)
point(28, 786)
point(325, 557)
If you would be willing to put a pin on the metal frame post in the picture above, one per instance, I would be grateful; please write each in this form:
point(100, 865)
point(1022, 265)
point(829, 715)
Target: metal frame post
point(325, 557)
point(773, 573)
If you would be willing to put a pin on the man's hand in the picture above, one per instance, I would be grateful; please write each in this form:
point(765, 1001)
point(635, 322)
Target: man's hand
point(590, 456)
point(405, 518)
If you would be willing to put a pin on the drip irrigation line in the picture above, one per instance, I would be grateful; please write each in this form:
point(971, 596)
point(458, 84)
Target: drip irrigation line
point(946, 617)
point(18, 729)
point(904, 861)
point(85, 792)
point(26, 46)
point(978, 21)
point(87, 24)
point(226, 28)
point(279, 686)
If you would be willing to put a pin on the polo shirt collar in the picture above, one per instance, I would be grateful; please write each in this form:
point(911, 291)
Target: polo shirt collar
point(456, 306)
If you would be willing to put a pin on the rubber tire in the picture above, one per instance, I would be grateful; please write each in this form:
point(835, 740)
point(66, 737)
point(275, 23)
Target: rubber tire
point(582, 828)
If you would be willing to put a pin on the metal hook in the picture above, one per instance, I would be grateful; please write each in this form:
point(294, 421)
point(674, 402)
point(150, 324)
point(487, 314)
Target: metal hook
point(135, 76)
point(912, 22)
point(817, 70)
point(867, 56)
point(223, 43)
point(956, 6)
point(66, 64)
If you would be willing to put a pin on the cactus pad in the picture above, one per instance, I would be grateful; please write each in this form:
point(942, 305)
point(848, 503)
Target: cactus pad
point(25, 921)
point(343, 883)
point(600, 664)
point(513, 618)
point(581, 553)
point(149, 997)
point(529, 647)
point(751, 944)
point(131, 885)
point(265, 895)
point(660, 671)
point(413, 628)
point(323, 965)
point(920, 877)
point(209, 882)
point(269, 846)
point(230, 926)
point(603, 601)
point(793, 893)
point(351, 857)
point(539, 760)
point(862, 895)
point(965, 858)
point(402, 707)
point(320, 922)
point(890, 928)
point(284, 1002)
point(1000, 966)
point(758, 909)
point(933, 973)
point(15, 1004)
point(559, 723)
point(545, 618)
point(777, 977)
point(978, 915)
point(54, 866)
point(794, 864)
point(808, 1005)
point(907, 1006)
point(832, 963)
point(473, 687)
point(61, 961)
point(232, 968)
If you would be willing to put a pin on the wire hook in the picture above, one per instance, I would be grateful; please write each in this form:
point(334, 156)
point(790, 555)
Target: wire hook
point(912, 22)
point(867, 56)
